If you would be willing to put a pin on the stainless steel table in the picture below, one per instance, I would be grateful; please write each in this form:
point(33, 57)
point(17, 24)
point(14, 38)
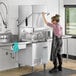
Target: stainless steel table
point(66, 37)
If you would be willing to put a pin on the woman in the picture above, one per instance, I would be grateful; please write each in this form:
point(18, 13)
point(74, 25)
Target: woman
point(56, 43)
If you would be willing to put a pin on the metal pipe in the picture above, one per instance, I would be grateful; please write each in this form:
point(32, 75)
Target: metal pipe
point(1, 16)
point(4, 22)
point(5, 6)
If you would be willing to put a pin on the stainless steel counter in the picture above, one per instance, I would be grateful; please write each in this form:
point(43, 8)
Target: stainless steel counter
point(29, 42)
point(10, 44)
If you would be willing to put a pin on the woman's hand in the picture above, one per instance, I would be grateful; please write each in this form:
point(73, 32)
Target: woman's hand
point(43, 13)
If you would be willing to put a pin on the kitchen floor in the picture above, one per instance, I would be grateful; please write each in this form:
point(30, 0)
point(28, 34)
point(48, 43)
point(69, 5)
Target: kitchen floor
point(70, 64)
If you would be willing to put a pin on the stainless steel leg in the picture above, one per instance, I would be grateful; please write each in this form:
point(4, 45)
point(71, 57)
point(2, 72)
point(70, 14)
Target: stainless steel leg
point(32, 69)
point(19, 65)
point(44, 67)
point(67, 49)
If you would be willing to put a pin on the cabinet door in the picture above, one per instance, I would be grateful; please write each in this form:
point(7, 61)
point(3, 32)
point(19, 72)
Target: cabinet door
point(40, 52)
point(25, 56)
point(72, 47)
point(6, 60)
point(49, 42)
point(69, 47)
point(64, 46)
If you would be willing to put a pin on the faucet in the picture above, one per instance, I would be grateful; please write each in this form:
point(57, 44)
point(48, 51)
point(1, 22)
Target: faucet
point(4, 21)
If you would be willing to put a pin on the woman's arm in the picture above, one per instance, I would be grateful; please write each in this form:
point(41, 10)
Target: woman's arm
point(43, 15)
point(46, 22)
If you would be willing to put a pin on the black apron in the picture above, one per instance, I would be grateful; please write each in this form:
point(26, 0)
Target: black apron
point(56, 47)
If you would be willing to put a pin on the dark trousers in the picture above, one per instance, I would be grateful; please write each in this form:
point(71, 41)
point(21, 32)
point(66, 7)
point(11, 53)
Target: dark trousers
point(57, 59)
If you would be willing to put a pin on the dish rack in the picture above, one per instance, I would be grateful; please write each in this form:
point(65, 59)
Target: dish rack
point(31, 34)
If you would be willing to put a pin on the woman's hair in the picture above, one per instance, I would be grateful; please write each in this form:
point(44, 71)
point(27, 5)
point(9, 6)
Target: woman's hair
point(55, 18)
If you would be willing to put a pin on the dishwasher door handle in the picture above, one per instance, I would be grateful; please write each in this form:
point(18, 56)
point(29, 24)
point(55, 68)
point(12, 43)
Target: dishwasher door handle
point(45, 47)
